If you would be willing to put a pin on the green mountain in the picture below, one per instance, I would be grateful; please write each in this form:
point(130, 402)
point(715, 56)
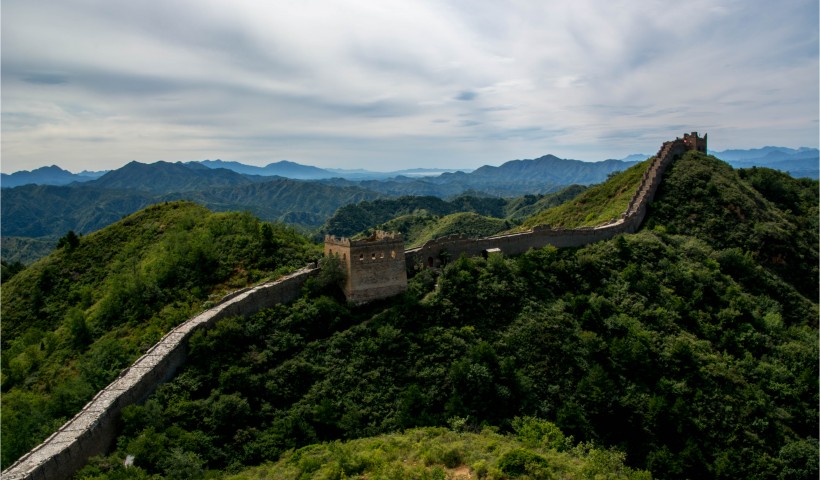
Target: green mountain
point(765, 213)
point(597, 205)
point(74, 319)
point(410, 214)
point(165, 177)
point(418, 229)
point(41, 211)
point(296, 202)
point(547, 174)
point(676, 349)
point(26, 250)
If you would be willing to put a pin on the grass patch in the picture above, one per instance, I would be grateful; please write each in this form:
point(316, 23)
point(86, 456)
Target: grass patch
point(595, 206)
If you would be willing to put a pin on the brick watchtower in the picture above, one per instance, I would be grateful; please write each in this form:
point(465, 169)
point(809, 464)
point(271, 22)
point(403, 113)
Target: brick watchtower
point(693, 142)
point(374, 266)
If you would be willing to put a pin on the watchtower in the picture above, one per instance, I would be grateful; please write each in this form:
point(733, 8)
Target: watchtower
point(374, 266)
point(693, 142)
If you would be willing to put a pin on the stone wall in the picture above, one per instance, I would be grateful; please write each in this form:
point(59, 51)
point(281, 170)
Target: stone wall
point(92, 431)
point(374, 267)
point(430, 254)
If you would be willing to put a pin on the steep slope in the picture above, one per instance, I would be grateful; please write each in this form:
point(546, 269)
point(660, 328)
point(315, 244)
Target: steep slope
point(595, 206)
point(652, 333)
point(770, 215)
point(74, 319)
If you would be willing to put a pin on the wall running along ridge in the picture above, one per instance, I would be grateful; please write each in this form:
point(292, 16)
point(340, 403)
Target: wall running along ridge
point(93, 430)
point(429, 255)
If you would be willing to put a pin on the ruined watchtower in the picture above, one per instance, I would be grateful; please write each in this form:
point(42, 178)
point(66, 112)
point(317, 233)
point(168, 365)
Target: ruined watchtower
point(374, 266)
point(693, 142)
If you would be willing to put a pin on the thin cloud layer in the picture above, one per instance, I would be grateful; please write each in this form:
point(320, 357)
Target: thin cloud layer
point(393, 84)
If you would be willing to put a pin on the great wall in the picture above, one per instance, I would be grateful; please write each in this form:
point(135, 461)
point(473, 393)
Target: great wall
point(375, 267)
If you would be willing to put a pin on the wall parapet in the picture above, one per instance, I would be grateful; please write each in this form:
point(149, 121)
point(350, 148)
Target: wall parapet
point(92, 431)
point(430, 254)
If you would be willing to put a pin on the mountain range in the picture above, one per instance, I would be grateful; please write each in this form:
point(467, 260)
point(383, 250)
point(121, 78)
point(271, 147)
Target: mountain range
point(47, 202)
point(800, 162)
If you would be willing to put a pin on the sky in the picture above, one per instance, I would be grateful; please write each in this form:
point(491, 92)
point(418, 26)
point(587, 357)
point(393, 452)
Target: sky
point(392, 84)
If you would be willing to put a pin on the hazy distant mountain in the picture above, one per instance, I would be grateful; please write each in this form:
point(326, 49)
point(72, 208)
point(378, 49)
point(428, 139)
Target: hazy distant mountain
point(552, 169)
point(52, 175)
point(546, 174)
point(283, 168)
point(165, 177)
point(801, 162)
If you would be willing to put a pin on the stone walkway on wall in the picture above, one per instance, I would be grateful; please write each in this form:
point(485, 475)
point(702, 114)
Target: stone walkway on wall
point(92, 430)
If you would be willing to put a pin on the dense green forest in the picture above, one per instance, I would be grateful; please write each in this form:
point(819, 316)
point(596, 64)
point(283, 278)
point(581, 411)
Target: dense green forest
point(686, 349)
point(424, 218)
point(74, 319)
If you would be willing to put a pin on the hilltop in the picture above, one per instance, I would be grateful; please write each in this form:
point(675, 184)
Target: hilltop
point(683, 335)
point(74, 319)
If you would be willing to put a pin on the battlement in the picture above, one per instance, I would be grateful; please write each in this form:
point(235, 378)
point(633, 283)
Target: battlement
point(374, 266)
point(379, 237)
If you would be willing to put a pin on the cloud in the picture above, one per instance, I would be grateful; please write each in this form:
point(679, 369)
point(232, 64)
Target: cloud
point(466, 96)
point(91, 85)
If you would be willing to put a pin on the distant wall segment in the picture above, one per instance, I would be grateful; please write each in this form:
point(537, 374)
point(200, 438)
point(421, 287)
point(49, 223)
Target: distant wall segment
point(432, 253)
point(93, 430)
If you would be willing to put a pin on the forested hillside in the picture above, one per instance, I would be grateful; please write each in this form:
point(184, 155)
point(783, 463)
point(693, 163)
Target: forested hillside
point(411, 215)
point(686, 349)
point(766, 213)
point(74, 319)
